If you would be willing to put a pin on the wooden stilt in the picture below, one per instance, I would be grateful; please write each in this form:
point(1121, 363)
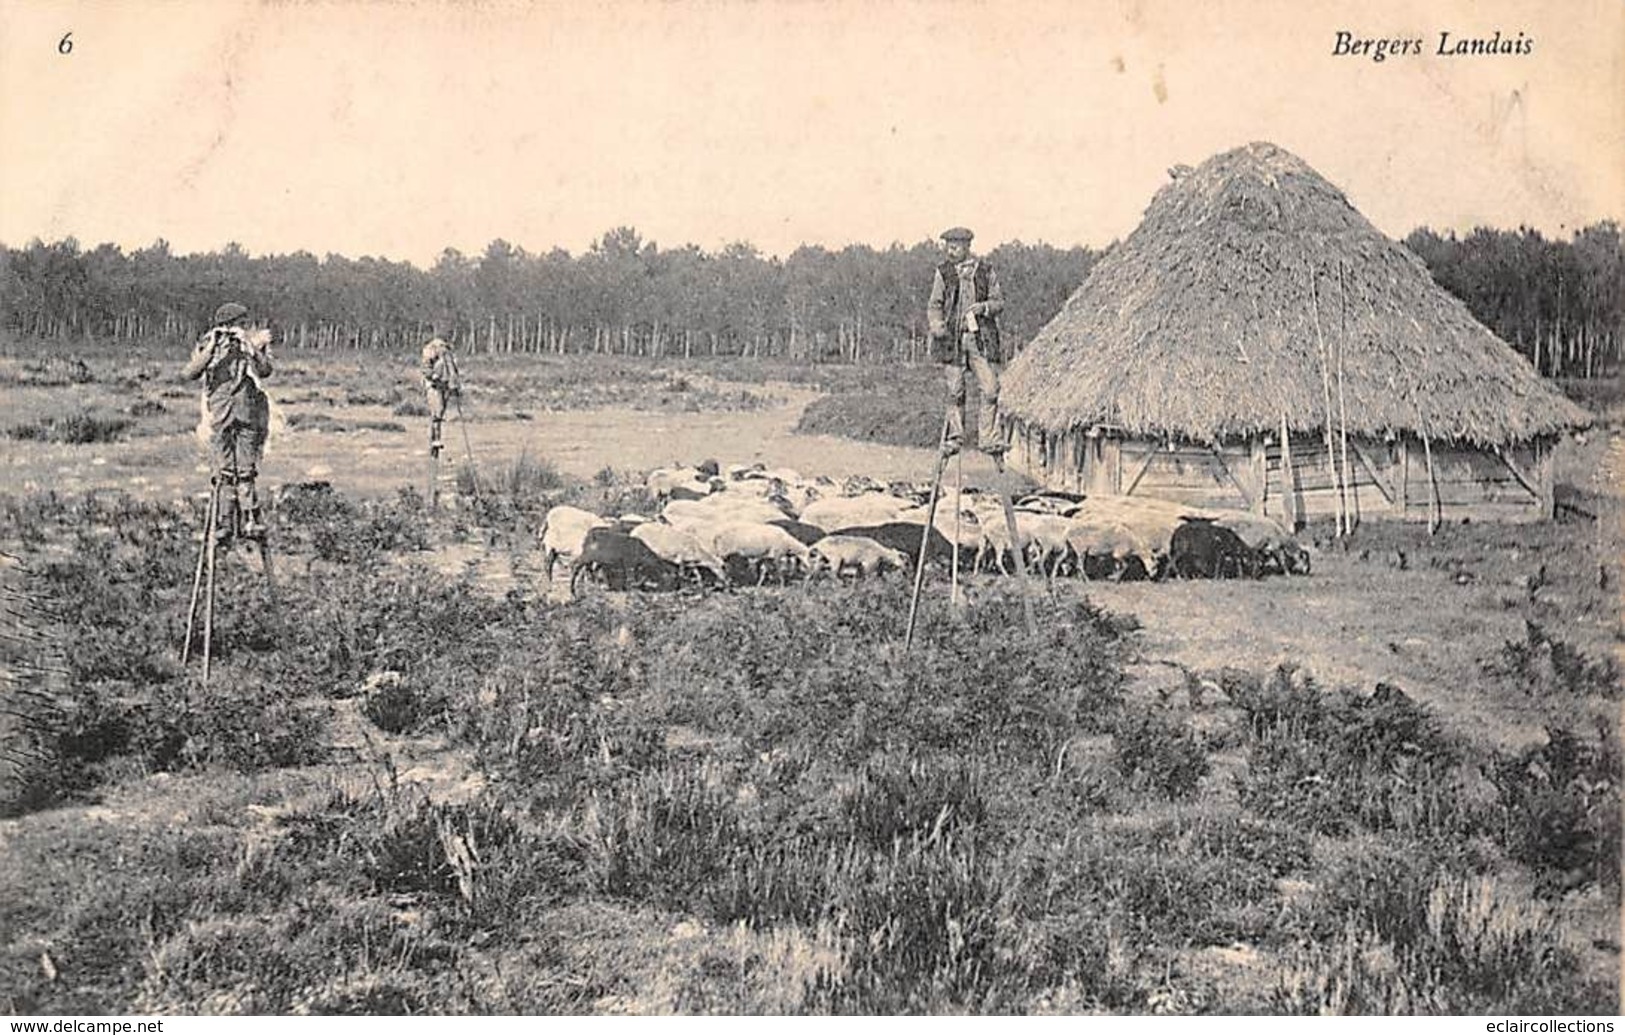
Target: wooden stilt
point(197, 576)
point(925, 537)
point(959, 505)
point(1021, 563)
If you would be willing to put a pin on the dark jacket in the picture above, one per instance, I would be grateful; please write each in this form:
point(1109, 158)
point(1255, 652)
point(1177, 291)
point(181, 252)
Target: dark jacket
point(946, 317)
point(229, 366)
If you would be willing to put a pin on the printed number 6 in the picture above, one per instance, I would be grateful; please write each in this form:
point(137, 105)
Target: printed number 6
point(65, 44)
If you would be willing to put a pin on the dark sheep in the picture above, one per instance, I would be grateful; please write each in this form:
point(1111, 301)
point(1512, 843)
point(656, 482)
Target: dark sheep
point(622, 562)
point(802, 532)
point(1052, 501)
point(1288, 558)
point(904, 537)
point(1099, 567)
point(1202, 550)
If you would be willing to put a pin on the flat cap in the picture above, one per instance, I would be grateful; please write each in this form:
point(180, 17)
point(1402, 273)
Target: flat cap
point(229, 312)
point(957, 233)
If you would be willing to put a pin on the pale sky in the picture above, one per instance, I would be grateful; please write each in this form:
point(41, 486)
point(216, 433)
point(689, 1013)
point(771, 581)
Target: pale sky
point(400, 129)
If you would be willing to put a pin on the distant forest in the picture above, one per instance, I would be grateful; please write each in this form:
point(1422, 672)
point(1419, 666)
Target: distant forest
point(1558, 302)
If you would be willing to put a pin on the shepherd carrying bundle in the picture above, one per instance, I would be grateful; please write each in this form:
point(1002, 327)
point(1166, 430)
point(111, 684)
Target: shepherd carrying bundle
point(231, 359)
point(442, 382)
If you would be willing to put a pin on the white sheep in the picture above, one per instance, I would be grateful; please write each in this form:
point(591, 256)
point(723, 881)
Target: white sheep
point(782, 474)
point(564, 529)
point(763, 547)
point(1109, 541)
point(721, 509)
point(842, 553)
point(680, 548)
point(1042, 538)
point(686, 483)
point(1046, 539)
point(871, 508)
point(1152, 520)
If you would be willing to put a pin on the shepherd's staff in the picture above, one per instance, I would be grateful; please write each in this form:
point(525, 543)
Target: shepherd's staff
point(208, 611)
point(959, 509)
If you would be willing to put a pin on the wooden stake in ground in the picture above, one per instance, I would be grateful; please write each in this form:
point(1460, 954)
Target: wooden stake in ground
point(1435, 509)
point(1289, 495)
point(1353, 502)
point(1326, 393)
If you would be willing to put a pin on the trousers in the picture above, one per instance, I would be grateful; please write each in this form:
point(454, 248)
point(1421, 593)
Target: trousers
point(237, 450)
point(987, 382)
point(439, 397)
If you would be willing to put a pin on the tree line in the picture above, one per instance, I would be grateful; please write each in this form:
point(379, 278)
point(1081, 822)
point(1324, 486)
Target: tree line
point(1557, 302)
point(623, 295)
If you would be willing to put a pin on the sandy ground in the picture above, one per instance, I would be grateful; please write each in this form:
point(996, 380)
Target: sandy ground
point(1356, 621)
point(579, 443)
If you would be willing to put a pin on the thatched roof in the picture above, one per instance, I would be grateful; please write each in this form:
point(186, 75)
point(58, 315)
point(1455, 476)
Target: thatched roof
point(1203, 325)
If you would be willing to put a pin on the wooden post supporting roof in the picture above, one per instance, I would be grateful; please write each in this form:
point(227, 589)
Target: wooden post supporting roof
point(1261, 474)
point(1289, 488)
point(1546, 481)
point(1401, 495)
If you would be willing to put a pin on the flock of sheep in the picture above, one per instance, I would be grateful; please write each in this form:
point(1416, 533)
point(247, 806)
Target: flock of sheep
point(749, 524)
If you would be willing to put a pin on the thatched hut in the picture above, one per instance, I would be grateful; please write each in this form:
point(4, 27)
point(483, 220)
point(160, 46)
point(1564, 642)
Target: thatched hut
point(1256, 342)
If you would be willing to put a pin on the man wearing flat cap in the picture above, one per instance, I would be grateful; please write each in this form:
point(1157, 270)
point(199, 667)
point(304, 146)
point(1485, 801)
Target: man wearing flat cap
point(963, 318)
point(231, 359)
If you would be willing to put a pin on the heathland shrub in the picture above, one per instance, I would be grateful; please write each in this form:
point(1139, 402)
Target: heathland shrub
point(1339, 763)
point(99, 901)
point(888, 417)
point(1157, 755)
point(335, 913)
point(845, 786)
point(1559, 809)
point(1335, 761)
point(824, 667)
point(358, 534)
point(1402, 936)
point(33, 685)
point(80, 428)
point(1546, 666)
